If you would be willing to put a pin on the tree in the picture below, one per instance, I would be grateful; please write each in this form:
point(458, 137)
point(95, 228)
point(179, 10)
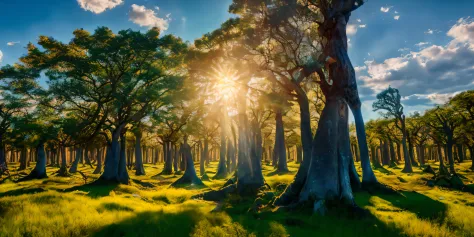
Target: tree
point(445, 121)
point(389, 100)
point(122, 77)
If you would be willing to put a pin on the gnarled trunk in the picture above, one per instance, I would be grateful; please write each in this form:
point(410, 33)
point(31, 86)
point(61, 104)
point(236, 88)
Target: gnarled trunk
point(39, 172)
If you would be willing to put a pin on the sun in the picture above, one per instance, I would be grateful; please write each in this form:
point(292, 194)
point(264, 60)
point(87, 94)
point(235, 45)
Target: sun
point(225, 82)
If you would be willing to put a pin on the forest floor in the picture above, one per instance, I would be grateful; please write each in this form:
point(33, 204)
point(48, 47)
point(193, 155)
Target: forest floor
point(148, 207)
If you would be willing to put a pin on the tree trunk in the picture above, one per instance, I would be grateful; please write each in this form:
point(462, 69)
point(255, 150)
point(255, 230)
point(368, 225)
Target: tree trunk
point(328, 175)
point(73, 168)
point(115, 166)
point(299, 154)
point(98, 168)
point(63, 169)
point(23, 158)
point(280, 141)
point(449, 151)
point(408, 159)
point(399, 152)
point(460, 150)
point(442, 167)
point(204, 157)
point(393, 158)
point(221, 167)
point(189, 177)
point(139, 169)
point(39, 172)
point(168, 166)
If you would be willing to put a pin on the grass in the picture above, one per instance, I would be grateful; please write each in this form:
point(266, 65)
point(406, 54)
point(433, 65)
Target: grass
point(66, 207)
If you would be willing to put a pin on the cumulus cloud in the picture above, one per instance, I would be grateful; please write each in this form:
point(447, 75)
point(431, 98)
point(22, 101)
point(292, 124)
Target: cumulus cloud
point(13, 43)
point(396, 17)
point(147, 17)
point(463, 31)
point(429, 32)
point(429, 75)
point(1, 56)
point(385, 9)
point(98, 6)
point(362, 26)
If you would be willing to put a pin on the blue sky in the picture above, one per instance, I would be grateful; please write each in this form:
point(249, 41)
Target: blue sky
point(420, 46)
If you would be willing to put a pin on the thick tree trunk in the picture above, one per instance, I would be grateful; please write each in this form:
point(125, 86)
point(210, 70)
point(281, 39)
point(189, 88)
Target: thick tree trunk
point(386, 153)
point(329, 172)
point(189, 177)
point(139, 169)
point(471, 153)
point(221, 168)
point(39, 172)
point(115, 167)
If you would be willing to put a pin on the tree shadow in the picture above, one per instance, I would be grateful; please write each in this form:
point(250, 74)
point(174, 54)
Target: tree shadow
point(277, 172)
point(301, 222)
point(423, 206)
point(143, 183)
point(153, 223)
point(93, 190)
point(111, 206)
point(384, 171)
point(21, 191)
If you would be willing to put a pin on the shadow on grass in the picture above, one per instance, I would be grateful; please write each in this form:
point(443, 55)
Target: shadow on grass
point(94, 190)
point(276, 172)
point(21, 191)
point(113, 207)
point(337, 222)
point(384, 171)
point(153, 224)
point(424, 207)
point(143, 183)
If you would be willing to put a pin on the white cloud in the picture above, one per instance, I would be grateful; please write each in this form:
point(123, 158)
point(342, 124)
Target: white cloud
point(157, 8)
point(433, 74)
point(385, 9)
point(421, 44)
point(396, 17)
point(463, 31)
point(429, 31)
point(359, 20)
point(13, 43)
point(362, 26)
point(403, 49)
point(147, 17)
point(98, 6)
point(351, 29)
point(1, 56)
point(396, 12)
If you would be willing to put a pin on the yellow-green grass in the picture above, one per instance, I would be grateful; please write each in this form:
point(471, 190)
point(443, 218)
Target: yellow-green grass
point(148, 207)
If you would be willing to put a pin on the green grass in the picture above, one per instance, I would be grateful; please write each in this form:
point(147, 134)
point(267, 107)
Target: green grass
point(148, 207)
